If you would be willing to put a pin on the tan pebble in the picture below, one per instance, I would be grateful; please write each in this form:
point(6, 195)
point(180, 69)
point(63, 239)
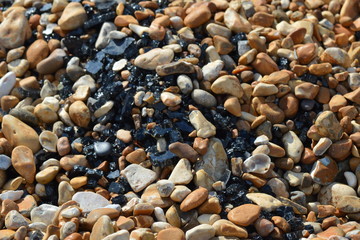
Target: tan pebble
point(264, 64)
point(228, 229)
point(194, 199)
point(210, 206)
point(320, 69)
point(330, 232)
point(23, 161)
point(63, 146)
point(125, 20)
point(306, 90)
point(78, 182)
point(7, 102)
point(47, 175)
point(73, 16)
point(36, 52)
point(232, 105)
point(137, 156)
point(171, 233)
point(244, 215)
point(69, 161)
point(79, 114)
point(306, 53)
point(222, 45)
point(124, 135)
point(264, 227)
point(197, 17)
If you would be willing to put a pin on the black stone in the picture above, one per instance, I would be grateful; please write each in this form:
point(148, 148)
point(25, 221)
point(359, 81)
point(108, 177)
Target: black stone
point(162, 159)
point(77, 171)
point(113, 175)
point(116, 188)
point(118, 47)
point(98, 19)
point(307, 104)
point(120, 199)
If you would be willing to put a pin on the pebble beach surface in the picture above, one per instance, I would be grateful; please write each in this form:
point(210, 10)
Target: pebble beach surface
point(180, 120)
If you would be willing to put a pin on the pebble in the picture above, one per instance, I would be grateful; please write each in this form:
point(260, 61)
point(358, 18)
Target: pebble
point(203, 98)
point(331, 194)
point(119, 65)
point(200, 232)
point(227, 84)
point(259, 163)
point(7, 82)
point(197, 17)
point(14, 29)
point(89, 201)
point(73, 16)
point(14, 220)
point(336, 56)
point(23, 161)
point(48, 141)
point(293, 146)
point(170, 99)
point(183, 150)
point(348, 204)
point(203, 127)
point(80, 114)
point(265, 201)
point(194, 199)
point(102, 228)
point(264, 64)
point(165, 187)
point(185, 84)
point(52, 63)
point(154, 58)
point(43, 213)
point(138, 177)
point(102, 148)
point(328, 126)
point(179, 193)
point(181, 174)
point(264, 89)
point(103, 39)
point(228, 229)
point(5, 162)
point(264, 227)
point(235, 22)
point(244, 215)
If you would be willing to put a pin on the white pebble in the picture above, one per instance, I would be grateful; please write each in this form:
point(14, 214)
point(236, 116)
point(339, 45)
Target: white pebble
point(350, 179)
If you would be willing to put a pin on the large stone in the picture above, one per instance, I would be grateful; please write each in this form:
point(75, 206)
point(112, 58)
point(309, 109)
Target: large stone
point(154, 58)
point(7, 82)
point(293, 146)
point(36, 52)
point(228, 84)
point(89, 201)
point(138, 176)
point(332, 194)
point(102, 228)
point(15, 220)
point(73, 17)
point(235, 22)
point(203, 127)
point(328, 126)
point(14, 29)
point(181, 174)
point(265, 201)
point(23, 161)
point(228, 229)
point(44, 213)
point(201, 232)
point(18, 133)
point(214, 162)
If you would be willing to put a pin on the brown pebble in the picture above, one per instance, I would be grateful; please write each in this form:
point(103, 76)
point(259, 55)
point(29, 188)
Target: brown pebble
point(194, 199)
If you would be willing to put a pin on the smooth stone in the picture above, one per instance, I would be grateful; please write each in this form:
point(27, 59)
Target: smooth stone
point(354, 81)
point(197, 17)
point(185, 84)
point(170, 99)
point(336, 56)
point(52, 63)
point(216, 29)
point(349, 204)
point(19, 67)
point(12, 195)
point(63, 146)
point(66, 192)
point(228, 229)
point(44, 213)
point(181, 174)
point(14, 220)
point(244, 215)
point(151, 195)
point(293, 146)
point(155, 57)
point(235, 22)
point(69, 161)
point(324, 171)
point(102, 148)
point(47, 175)
point(264, 89)
point(7, 82)
point(45, 113)
point(80, 114)
point(264, 64)
point(179, 193)
point(86, 80)
point(5, 162)
point(201, 232)
point(215, 161)
point(138, 176)
point(350, 179)
point(180, 67)
point(203, 98)
point(265, 201)
point(328, 126)
point(171, 233)
point(228, 84)
point(119, 65)
point(322, 146)
point(48, 141)
point(259, 163)
point(264, 227)
point(89, 201)
point(204, 128)
point(332, 193)
point(103, 39)
point(183, 150)
point(211, 71)
point(102, 228)
point(120, 235)
point(14, 29)
point(23, 161)
point(73, 17)
point(165, 187)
